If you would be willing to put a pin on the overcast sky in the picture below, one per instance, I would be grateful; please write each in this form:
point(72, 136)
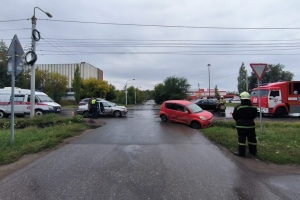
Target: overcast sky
point(150, 40)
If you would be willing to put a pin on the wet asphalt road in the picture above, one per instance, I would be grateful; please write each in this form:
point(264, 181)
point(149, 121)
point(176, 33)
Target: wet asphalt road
point(139, 157)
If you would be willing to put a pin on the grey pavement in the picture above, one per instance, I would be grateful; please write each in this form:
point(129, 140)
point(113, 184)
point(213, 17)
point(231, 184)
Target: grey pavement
point(139, 157)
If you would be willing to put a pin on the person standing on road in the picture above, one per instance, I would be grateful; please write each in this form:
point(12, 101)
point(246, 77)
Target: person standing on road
point(94, 108)
point(222, 106)
point(244, 115)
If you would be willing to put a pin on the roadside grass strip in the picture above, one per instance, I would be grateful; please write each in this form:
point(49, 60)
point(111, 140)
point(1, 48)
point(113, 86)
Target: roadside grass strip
point(39, 134)
point(279, 143)
point(33, 140)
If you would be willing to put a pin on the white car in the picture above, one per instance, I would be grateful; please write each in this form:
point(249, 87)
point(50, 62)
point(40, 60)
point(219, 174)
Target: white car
point(116, 111)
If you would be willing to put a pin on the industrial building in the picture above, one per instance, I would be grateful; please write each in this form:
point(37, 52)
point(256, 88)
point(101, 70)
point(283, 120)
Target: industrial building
point(86, 71)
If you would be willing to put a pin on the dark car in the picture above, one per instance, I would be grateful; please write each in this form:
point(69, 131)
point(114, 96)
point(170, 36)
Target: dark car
point(207, 104)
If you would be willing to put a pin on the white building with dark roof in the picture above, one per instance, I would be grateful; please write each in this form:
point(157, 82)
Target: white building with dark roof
point(86, 70)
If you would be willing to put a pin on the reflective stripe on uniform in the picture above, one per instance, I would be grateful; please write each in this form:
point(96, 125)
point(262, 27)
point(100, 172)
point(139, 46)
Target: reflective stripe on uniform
point(252, 143)
point(242, 144)
point(245, 126)
point(246, 107)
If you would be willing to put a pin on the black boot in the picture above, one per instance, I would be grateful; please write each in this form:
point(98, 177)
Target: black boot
point(241, 152)
point(238, 154)
point(252, 149)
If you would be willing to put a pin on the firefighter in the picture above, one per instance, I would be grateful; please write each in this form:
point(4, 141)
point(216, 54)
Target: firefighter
point(94, 108)
point(222, 106)
point(244, 115)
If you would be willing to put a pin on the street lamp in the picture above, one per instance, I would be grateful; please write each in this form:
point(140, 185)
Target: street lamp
point(126, 89)
point(208, 80)
point(32, 95)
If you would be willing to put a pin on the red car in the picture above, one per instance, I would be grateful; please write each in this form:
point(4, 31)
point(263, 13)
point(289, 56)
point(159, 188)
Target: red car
point(185, 112)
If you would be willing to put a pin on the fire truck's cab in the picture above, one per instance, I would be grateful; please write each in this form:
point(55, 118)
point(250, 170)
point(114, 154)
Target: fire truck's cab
point(278, 99)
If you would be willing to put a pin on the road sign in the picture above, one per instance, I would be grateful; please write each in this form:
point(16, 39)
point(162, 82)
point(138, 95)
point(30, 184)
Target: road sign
point(18, 65)
point(15, 47)
point(259, 69)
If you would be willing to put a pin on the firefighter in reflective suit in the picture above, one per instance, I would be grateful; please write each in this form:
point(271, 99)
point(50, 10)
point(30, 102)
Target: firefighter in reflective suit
point(222, 106)
point(244, 115)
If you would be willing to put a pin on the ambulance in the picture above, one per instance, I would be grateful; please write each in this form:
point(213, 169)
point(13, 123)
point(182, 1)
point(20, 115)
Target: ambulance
point(278, 99)
point(43, 103)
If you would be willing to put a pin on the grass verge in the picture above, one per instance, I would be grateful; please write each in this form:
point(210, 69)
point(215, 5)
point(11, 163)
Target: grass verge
point(279, 143)
point(33, 139)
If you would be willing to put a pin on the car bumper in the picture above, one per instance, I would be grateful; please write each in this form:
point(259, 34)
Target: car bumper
point(124, 113)
point(79, 112)
point(207, 123)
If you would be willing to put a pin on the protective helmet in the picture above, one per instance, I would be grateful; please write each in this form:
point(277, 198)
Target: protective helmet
point(245, 95)
point(222, 97)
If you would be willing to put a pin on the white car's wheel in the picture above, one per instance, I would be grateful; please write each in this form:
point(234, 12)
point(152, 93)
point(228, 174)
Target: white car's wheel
point(117, 113)
point(38, 113)
point(86, 114)
point(2, 114)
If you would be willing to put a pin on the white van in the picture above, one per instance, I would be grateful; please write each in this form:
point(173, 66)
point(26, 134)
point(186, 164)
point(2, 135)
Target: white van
point(43, 103)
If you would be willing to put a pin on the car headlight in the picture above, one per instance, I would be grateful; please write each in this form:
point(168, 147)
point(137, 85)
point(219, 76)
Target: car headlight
point(50, 107)
point(202, 118)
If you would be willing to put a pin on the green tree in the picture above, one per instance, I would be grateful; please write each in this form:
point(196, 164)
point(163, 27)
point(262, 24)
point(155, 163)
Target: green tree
point(242, 83)
point(130, 95)
point(111, 95)
point(159, 93)
point(172, 88)
point(55, 85)
point(216, 92)
point(41, 76)
point(77, 84)
point(95, 87)
point(120, 96)
point(23, 79)
point(5, 79)
point(274, 73)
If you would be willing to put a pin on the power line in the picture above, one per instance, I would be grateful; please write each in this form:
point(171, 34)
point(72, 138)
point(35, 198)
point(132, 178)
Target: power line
point(13, 20)
point(65, 50)
point(15, 29)
point(157, 40)
point(171, 26)
point(170, 53)
point(174, 52)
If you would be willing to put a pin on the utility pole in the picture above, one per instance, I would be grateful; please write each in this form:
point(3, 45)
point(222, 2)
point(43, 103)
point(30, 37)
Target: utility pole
point(208, 80)
point(32, 80)
point(126, 90)
point(246, 82)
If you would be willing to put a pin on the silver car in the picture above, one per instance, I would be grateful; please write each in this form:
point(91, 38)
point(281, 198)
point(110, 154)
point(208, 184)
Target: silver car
point(112, 110)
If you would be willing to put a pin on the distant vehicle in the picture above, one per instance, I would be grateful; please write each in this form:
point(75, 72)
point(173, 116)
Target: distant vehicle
point(116, 111)
point(278, 99)
point(86, 101)
point(150, 102)
point(185, 112)
point(207, 104)
point(43, 103)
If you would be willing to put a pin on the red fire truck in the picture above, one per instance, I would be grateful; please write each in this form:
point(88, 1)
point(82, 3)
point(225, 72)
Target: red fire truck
point(278, 99)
